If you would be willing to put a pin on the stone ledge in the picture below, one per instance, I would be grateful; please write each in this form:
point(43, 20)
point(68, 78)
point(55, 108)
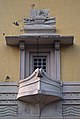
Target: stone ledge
point(40, 118)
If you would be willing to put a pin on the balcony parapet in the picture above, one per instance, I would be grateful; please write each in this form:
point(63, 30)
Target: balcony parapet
point(39, 88)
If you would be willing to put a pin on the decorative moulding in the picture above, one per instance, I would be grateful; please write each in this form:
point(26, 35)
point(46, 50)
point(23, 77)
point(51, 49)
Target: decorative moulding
point(40, 21)
point(39, 26)
point(44, 39)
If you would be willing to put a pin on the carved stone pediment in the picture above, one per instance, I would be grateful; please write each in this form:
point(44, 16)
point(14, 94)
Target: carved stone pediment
point(40, 21)
point(39, 88)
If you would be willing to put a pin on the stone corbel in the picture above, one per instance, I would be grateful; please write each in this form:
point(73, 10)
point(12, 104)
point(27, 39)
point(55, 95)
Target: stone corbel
point(57, 45)
point(22, 45)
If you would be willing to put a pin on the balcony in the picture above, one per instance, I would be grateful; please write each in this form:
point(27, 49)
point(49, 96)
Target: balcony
point(39, 88)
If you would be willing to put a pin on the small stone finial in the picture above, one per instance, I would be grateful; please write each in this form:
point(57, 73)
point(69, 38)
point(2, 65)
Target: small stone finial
point(39, 72)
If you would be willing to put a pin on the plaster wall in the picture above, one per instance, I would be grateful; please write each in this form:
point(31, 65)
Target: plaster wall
point(67, 14)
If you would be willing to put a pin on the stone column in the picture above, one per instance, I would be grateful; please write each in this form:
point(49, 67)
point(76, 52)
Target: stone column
point(22, 60)
point(57, 60)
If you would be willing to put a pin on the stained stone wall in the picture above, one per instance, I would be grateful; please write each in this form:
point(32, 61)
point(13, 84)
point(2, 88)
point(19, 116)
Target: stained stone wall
point(67, 108)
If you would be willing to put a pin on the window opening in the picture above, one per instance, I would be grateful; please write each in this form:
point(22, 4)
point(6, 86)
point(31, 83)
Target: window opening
point(39, 62)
